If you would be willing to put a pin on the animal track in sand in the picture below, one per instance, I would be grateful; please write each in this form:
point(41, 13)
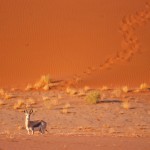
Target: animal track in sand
point(130, 43)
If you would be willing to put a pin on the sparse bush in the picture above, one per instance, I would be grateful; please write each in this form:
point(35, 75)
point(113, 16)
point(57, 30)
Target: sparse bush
point(104, 88)
point(125, 104)
point(86, 88)
point(45, 98)
point(65, 108)
point(31, 101)
point(8, 96)
point(81, 93)
point(19, 105)
point(144, 86)
point(93, 97)
point(43, 82)
point(46, 87)
point(71, 91)
point(1, 103)
point(50, 103)
point(29, 87)
point(117, 93)
point(2, 92)
point(125, 89)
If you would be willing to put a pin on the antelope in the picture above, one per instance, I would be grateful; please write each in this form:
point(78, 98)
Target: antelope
point(37, 125)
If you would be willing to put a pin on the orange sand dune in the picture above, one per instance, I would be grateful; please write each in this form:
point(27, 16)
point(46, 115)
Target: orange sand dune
point(100, 42)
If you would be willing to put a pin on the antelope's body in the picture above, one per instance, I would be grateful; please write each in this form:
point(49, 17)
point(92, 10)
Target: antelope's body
point(31, 126)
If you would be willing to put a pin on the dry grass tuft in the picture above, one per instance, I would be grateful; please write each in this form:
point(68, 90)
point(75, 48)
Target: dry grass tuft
point(29, 87)
point(125, 104)
point(71, 91)
point(93, 97)
point(5, 95)
point(30, 101)
point(144, 86)
point(81, 93)
point(8, 96)
point(46, 98)
point(2, 103)
point(116, 93)
point(104, 88)
point(21, 127)
point(65, 108)
point(46, 87)
point(125, 89)
point(19, 105)
point(2, 92)
point(51, 103)
point(43, 82)
point(86, 88)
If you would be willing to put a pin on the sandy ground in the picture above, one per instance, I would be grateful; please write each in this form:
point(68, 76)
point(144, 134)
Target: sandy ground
point(74, 142)
point(72, 123)
point(84, 46)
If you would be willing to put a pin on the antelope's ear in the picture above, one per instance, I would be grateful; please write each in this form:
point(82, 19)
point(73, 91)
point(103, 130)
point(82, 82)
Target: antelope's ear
point(31, 111)
point(25, 111)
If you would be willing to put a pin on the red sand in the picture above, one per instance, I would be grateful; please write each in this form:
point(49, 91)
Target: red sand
point(75, 142)
point(90, 39)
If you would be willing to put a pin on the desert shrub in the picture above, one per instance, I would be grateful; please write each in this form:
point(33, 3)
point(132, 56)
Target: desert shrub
point(86, 88)
point(125, 104)
point(116, 93)
point(19, 105)
point(29, 87)
point(30, 101)
point(2, 92)
point(93, 97)
point(65, 108)
point(2, 103)
point(71, 91)
point(104, 88)
point(125, 89)
point(44, 82)
point(144, 86)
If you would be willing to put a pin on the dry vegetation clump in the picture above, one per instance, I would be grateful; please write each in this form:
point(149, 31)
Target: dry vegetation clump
point(51, 103)
point(2, 103)
point(19, 105)
point(45, 98)
point(125, 104)
point(5, 95)
point(81, 93)
point(125, 89)
point(117, 93)
point(65, 108)
point(8, 96)
point(144, 86)
point(29, 87)
point(93, 97)
point(44, 82)
point(30, 101)
point(87, 88)
point(71, 91)
point(104, 88)
point(2, 92)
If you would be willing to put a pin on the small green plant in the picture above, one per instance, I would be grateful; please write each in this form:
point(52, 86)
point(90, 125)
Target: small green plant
point(93, 97)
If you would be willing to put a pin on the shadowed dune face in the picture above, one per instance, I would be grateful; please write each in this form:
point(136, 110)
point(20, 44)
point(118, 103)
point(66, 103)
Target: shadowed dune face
point(101, 42)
